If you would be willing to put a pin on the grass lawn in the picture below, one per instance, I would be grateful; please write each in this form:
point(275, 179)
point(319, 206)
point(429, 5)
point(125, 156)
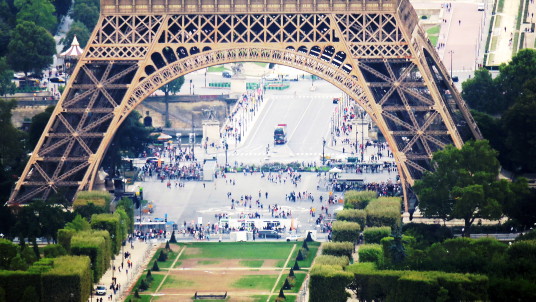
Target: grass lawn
point(207, 262)
point(313, 248)
point(433, 40)
point(165, 264)
point(261, 64)
point(260, 282)
point(251, 263)
point(177, 282)
point(157, 278)
point(238, 250)
point(219, 68)
point(298, 282)
point(434, 30)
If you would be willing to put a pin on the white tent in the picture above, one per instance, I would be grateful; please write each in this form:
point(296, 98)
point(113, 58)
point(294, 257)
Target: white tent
point(164, 137)
point(74, 51)
point(335, 170)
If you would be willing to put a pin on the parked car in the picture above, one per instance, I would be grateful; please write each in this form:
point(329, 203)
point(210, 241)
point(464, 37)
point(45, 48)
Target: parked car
point(227, 74)
point(268, 234)
point(100, 290)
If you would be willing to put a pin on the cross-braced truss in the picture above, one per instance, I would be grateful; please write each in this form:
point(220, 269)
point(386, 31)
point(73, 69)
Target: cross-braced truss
point(372, 50)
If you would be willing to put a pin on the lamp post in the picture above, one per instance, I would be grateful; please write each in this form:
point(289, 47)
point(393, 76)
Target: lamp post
point(205, 78)
point(226, 146)
point(190, 86)
point(323, 149)
point(451, 52)
point(362, 136)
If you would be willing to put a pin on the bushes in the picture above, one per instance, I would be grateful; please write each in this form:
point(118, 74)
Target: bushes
point(392, 285)
point(371, 253)
point(98, 198)
point(345, 231)
point(70, 274)
point(375, 234)
point(328, 283)
point(359, 216)
point(64, 238)
point(96, 245)
point(16, 283)
point(332, 260)
point(427, 234)
point(358, 199)
point(338, 249)
point(384, 211)
point(110, 223)
point(54, 250)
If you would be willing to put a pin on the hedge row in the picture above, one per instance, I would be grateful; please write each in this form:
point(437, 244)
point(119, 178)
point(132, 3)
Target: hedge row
point(384, 211)
point(62, 279)
point(98, 198)
point(328, 283)
point(345, 231)
point(391, 285)
point(375, 234)
point(371, 253)
point(96, 245)
point(332, 260)
point(338, 249)
point(112, 224)
point(352, 215)
point(358, 199)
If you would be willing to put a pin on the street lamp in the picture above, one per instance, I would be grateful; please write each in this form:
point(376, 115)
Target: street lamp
point(190, 86)
point(226, 146)
point(362, 136)
point(205, 78)
point(323, 149)
point(451, 52)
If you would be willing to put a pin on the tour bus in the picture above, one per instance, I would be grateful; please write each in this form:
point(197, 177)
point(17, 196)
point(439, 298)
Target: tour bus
point(277, 224)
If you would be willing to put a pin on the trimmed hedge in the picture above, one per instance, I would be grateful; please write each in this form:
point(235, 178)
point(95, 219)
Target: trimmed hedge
point(68, 280)
point(96, 245)
point(391, 285)
point(352, 215)
point(427, 234)
point(371, 253)
point(338, 249)
point(375, 234)
point(98, 198)
point(16, 282)
point(358, 199)
point(342, 261)
point(64, 238)
point(384, 211)
point(345, 231)
point(112, 224)
point(54, 250)
point(41, 266)
point(328, 283)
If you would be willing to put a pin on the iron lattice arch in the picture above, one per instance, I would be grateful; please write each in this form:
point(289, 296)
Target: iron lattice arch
point(373, 50)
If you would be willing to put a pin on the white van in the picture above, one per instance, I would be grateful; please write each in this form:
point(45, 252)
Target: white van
point(481, 7)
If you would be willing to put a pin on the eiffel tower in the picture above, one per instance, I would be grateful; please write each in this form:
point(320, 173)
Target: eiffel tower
point(373, 50)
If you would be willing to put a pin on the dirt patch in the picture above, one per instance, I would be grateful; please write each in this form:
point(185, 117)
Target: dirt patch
point(192, 251)
point(270, 263)
point(201, 262)
point(188, 298)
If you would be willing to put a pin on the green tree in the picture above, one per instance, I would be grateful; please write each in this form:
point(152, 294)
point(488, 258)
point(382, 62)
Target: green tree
point(12, 150)
point(480, 92)
point(521, 206)
point(17, 263)
point(6, 75)
point(39, 122)
point(78, 224)
point(31, 48)
point(8, 251)
point(171, 87)
point(129, 140)
point(520, 127)
point(40, 12)
point(86, 12)
point(79, 30)
point(514, 75)
point(464, 184)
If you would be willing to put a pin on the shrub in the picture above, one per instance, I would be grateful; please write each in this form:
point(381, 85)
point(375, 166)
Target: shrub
point(173, 239)
point(291, 273)
point(296, 267)
point(371, 253)
point(375, 234)
point(64, 238)
point(112, 224)
point(332, 260)
point(358, 199)
point(70, 274)
point(352, 215)
point(281, 294)
point(54, 250)
point(95, 245)
point(30, 295)
point(394, 254)
point(286, 285)
point(384, 211)
point(155, 267)
point(300, 257)
point(309, 238)
point(9, 251)
point(162, 256)
point(328, 283)
point(144, 285)
point(345, 231)
point(98, 198)
point(427, 234)
point(149, 276)
point(527, 236)
point(305, 246)
point(168, 248)
point(338, 249)
point(16, 282)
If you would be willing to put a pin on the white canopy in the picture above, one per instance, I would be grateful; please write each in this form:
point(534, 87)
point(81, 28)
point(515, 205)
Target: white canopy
point(164, 137)
point(74, 51)
point(335, 170)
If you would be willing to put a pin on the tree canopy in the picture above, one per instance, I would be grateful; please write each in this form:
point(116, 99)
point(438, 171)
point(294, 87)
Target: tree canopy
point(79, 30)
point(6, 75)
point(31, 48)
point(40, 12)
point(464, 185)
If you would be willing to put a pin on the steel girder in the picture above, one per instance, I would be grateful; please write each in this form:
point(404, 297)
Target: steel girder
point(373, 50)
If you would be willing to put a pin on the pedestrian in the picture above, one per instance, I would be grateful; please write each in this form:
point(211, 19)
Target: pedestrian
point(459, 22)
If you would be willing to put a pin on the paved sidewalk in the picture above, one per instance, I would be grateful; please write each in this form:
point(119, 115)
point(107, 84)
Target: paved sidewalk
point(140, 255)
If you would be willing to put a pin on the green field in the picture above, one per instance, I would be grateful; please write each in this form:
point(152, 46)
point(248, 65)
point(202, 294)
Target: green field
point(252, 270)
